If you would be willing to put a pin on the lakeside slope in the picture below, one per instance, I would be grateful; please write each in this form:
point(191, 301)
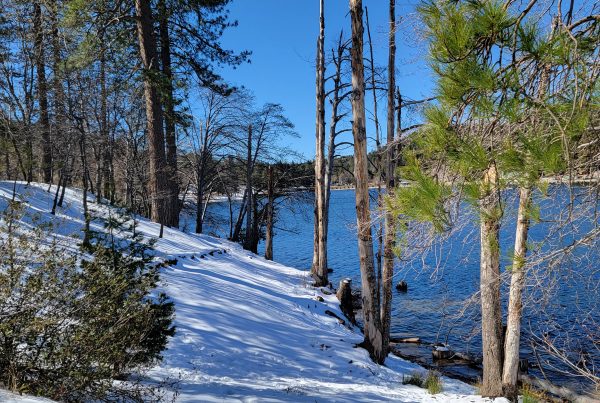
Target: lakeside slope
point(249, 329)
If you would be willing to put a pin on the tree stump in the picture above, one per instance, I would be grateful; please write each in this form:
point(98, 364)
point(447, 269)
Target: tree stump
point(441, 353)
point(344, 294)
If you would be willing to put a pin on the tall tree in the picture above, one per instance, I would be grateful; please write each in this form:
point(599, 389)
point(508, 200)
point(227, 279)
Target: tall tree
point(390, 172)
point(169, 114)
point(319, 268)
point(485, 134)
point(373, 337)
point(248, 241)
point(42, 92)
point(159, 190)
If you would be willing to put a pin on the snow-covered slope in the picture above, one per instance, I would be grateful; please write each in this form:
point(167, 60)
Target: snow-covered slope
point(249, 329)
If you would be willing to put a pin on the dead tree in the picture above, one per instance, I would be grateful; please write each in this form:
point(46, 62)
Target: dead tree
point(373, 338)
point(390, 169)
point(319, 269)
point(378, 166)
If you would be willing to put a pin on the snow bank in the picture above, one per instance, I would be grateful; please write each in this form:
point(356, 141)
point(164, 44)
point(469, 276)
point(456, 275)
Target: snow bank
point(7, 397)
point(249, 329)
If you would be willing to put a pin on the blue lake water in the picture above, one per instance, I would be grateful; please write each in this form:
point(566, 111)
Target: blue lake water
point(562, 304)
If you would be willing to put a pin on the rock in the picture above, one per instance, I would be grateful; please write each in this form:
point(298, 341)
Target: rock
point(402, 286)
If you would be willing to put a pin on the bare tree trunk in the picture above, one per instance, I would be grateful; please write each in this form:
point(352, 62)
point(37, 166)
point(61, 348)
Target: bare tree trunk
point(491, 313)
point(158, 183)
point(101, 174)
point(249, 193)
point(42, 93)
point(230, 203)
point(320, 270)
point(169, 116)
point(106, 142)
point(373, 340)
point(335, 118)
point(240, 220)
point(390, 224)
point(270, 213)
point(378, 166)
point(256, 220)
point(515, 306)
point(199, 197)
point(60, 125)
point(84, 165)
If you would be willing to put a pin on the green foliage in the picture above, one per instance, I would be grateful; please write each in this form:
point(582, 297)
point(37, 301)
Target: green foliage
point(72, 323)
point(531, 395)
point(433, 383)
point(416, 379)
point(423, 200)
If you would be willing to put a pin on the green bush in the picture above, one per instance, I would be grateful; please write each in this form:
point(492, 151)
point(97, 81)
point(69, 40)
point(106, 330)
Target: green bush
point(416, 379)
point(73, 322)
point(433, 383)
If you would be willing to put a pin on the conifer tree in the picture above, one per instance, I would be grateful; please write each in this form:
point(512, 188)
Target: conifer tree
point(496, 126)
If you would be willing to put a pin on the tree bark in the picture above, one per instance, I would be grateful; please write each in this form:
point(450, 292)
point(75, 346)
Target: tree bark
point(158, 183)
point(270, 215)
point(42, 93)
point(106, 142)
point(515, 306)
point(491, 313)
point(169, 117)
point(390, 159)
point(320, 270)
point(373, 338)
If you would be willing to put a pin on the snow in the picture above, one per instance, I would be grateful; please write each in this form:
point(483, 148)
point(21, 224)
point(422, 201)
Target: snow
point(8, 397)
point(250, 329)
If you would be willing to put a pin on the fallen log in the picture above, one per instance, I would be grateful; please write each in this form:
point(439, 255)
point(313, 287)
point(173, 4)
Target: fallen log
point(560, 391)
point(405, 340)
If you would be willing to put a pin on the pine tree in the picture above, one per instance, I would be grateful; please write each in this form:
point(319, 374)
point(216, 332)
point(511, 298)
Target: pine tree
point(495, 126)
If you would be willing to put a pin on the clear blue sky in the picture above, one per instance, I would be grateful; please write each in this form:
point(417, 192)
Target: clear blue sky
point(282, 35)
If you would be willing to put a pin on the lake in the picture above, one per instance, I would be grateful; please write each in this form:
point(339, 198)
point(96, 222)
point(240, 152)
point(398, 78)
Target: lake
point(562, 304)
